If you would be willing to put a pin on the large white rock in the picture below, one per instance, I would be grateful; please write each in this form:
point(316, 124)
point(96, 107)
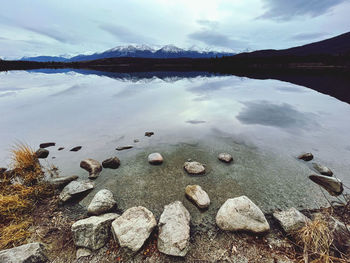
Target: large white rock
point(241, 213)
point(194, 168)
point(93, 232)
point(133, 227)
point(291, 220)
point(92, 166)
point(197, 195)
point(174, 230)
point(102, 202)
point(28, 253)
point(75, 188)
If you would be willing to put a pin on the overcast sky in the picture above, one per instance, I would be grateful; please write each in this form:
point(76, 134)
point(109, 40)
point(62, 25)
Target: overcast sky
point(56, 27)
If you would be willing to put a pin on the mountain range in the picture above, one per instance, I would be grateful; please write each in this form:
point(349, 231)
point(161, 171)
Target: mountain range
point(138, 51)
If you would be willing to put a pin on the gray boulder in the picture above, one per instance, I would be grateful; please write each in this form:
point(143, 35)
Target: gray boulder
point(194, 168)
point(155, 158)
point(174, 230)
point(133, 227)
point(322, 169)
point(102, 202)
point(62, 180)
point(28, 253)
point(197, 195)
point(291, 220)
point(93, 232)
point(241, 213)
point(225, 157)
point(332, 185)
point(111, 163)
point(41, 153)
point(92, 166)
point(75, 188)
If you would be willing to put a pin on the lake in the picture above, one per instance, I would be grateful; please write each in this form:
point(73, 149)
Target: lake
point(264, 124)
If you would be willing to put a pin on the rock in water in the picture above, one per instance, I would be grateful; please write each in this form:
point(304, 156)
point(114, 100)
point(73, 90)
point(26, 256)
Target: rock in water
point(47, 144)
point(102, 202)
point(194, 168)
point(155, 158)
point(174, 230)
point(75, 188)
point(75, 149)
point(133, 227)
point(241, 213)
point(93, 232)
point(61, 148)
point(41, 153)
point(121, 148)
point(322, 169)
point(149, 134)
point(62, 180)
point(225, 157)
point(197, 195)
point(306, 157)
point(28, 253)
point(92, 166)
point(333, 185)
point(291, 220)
point(112, 163)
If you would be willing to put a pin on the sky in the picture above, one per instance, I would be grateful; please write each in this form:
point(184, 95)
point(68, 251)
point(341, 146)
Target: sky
point(66, 27)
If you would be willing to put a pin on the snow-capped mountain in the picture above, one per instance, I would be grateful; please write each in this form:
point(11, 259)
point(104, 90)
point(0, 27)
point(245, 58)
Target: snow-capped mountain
point(139, 51)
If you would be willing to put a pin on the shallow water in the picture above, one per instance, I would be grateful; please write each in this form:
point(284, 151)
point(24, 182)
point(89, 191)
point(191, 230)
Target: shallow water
point(264, 124)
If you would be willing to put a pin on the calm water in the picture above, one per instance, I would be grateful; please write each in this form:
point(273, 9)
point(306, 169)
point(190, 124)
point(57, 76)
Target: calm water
point(263, 123)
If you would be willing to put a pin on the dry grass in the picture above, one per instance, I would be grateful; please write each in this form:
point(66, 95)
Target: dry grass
point(20, 190)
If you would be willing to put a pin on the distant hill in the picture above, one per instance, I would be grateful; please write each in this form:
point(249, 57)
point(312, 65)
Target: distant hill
point(336, 46)
point(141, 51)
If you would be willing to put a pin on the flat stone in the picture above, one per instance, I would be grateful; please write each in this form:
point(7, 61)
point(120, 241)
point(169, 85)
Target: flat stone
point(149, 134)
point(291, 220)
point(133, 227)
point(332, 185)
point(225, 157)
point(198, 196)
point(75, 188)
point(174, 230)
point(62, 180)
point(41, 153)
point(241, 214)
point(155, 158)
point(83, 252)
point(306, 157)
point(322, 169)
point(28, 253)
point(47, 144)
point(194, 168)
point(126, 147)
point(102, 202)
point(112, 163)
point(93, 232)
point(92, 166)
point(75, 149)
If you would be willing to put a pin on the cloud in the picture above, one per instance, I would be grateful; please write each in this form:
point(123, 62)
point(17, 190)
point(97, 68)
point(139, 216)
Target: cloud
point(124, 34)
point(287, 9)
point(282, 116)
point(7, 94)
point(51, 33)
point(309, 36)
point(208, 23)
point(195, 122)
point(213, 38)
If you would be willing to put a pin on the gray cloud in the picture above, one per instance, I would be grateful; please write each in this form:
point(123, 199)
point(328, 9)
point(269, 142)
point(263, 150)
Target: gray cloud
point(51, 33)
point(208, 23)
point(287, 9)
point(213, 38)
point(309, 36)
point(124, 34)
point(7, 94)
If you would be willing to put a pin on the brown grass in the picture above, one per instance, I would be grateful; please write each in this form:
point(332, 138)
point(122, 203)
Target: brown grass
point(20, 190)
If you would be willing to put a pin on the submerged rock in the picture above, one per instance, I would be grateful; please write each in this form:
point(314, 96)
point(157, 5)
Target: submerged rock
point(112, 163)
point(174, 230)
point(136, 140)
point(195, 168)
point(322, 169)
point(75, 149)
point(133, 227)
point(225, 157)
point(149, 134)
point(241, 213)
point(197, 195)
point(155, 158)
point(102, 202)
point(290, 220)
point(28, 253)
point(93, 232)
point(62, 180)
point(41, 153)
point(332, 185)
point(92, 166)
point(126, 147)
point(75, 188)
point(306, 157)
point(47, 144)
